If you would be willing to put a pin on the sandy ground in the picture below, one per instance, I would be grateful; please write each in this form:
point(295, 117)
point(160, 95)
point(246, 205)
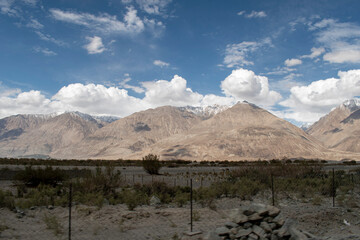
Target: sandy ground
point(171, 222)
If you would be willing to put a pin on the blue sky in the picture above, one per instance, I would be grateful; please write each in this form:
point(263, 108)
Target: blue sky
point(297, 59)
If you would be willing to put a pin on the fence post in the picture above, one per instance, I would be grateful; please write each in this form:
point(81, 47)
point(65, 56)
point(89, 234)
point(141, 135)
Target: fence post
point(191, 207)
point(333, 186)
point(70, 205)
point(272, 190)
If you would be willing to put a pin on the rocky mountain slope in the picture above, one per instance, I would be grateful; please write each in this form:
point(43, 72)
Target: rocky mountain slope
point(243, 131)
point(340, 129)
point(41, 135)
point(132, 134)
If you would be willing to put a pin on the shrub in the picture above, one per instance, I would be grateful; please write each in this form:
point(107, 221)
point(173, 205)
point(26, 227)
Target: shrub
point(6, 200)
point(34, 177)
point(53, 223)
point(151, 164)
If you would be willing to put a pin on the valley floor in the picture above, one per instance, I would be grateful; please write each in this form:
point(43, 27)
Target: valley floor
point(170, 222)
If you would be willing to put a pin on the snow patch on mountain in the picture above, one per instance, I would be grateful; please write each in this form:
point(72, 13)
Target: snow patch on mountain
point(205, 111)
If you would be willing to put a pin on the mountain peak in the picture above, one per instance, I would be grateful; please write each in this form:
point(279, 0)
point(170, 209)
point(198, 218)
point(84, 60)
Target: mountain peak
point(351, 104)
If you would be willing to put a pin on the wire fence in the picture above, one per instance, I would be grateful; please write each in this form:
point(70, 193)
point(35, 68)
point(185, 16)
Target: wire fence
point(81, 211)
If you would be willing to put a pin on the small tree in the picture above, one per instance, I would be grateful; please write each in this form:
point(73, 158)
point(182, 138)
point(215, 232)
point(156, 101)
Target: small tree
point(151, 164)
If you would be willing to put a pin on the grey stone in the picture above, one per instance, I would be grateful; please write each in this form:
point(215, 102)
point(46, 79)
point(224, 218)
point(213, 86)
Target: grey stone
point(238, 217)
point(247, 225)
point(212, 236)
point(32, 208)
point(154, 200)
point(50, 207)
point(279, 221)
point(296, 234)
point(259, 208)
point(274, 237)
point(273, 211)
point(311, 236)
point(222, 231)
point(265, 226)
point(258, 231)
point(231, 225)
point(272, 225)
point(234, 231)
point(243, 233)
point(248, 212)
point(255, 217)
point(283, 232)
point(253, 236)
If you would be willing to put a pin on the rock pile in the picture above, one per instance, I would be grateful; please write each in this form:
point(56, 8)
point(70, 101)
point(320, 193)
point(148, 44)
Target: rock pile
point(258, 222)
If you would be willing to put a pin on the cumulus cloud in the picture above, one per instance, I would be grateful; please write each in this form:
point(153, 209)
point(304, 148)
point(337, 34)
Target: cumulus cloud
point(243, 84)
point(174, 92)
point(308, 103)
point(292, 62)
point(24, 102)
point(236, 54)
point(161, 63)
point(95, 45)
point(153, 6)
point(98, 99)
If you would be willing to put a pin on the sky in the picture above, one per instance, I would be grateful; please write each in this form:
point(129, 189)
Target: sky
point(297, 59)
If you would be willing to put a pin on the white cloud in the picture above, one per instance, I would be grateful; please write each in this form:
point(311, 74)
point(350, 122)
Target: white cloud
point(241, 13)
point(25, 102)
point(236, 54)
point(30, 2)
point(96, 99)
point(124, 84)
point(174, 92)
point(153, 6)
point(6, 7)
point(255, 14)
point(49, 38)
point(45, 51)
point(105, 23)
point(292, 62)
point(243, 84)
point(315, 52)
point(95, 45)
point(161, 63)
point(102, 100)
point(341, 39)
point(34, 24)
point(308, 103)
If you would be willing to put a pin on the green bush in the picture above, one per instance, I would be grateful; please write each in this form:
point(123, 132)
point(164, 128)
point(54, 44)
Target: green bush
point(151, 164)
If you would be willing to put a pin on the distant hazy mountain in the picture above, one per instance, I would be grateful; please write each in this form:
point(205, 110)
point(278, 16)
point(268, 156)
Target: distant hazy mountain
point(340, 129)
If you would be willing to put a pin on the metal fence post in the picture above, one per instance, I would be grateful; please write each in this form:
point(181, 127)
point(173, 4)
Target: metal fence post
point(272, 190)
point(191, 206)
point(333, 186)
point(70, 205)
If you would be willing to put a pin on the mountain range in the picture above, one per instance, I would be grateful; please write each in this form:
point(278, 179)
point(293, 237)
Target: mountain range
point(241, 132)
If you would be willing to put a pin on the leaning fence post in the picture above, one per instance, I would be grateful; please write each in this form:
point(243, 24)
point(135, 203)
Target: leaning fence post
point(70, 205)
point(272, 190)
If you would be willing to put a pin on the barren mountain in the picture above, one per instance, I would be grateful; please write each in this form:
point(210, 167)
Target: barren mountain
point(340, 129)
point(132, 134)
point(40, 135)
point(244, 131)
